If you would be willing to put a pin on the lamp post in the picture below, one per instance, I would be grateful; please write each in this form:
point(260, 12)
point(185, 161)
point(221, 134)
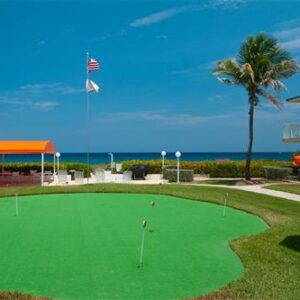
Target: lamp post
point(57, 156)
point(178, 154)
point(111, 160)
point(163, 154)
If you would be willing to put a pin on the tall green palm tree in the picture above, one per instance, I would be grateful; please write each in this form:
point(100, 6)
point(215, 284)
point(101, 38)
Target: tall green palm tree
point(260, 66)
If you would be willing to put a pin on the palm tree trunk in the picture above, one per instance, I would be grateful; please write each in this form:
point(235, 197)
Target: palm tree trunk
point(249, 153)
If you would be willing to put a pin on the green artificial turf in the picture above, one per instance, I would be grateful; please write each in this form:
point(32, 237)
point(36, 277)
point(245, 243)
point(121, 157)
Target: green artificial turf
point(86, 246)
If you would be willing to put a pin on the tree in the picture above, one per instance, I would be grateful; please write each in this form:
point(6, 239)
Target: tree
point(260, 66)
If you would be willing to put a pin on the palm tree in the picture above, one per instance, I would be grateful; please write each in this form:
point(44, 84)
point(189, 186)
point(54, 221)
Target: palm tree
point(260, 66)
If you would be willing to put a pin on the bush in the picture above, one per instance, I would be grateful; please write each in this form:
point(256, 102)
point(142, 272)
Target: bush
point(25, 168)
point(272, 172)
point(221, 169)
point(185, 175)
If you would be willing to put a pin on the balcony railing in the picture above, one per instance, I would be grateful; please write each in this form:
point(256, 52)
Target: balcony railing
point(291, 133)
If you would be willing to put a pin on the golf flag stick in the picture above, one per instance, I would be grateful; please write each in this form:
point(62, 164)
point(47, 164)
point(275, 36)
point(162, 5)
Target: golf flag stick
point(17, 208)
point(152, 214)
point(142, 244)
point(225, 204)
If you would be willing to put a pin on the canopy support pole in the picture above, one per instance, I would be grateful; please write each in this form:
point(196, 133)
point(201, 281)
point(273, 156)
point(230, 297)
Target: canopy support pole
point(42, 169)
point(53, 164)
point(2, 164)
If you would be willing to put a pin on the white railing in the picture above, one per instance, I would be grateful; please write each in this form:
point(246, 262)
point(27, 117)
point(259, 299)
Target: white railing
point(291, 133)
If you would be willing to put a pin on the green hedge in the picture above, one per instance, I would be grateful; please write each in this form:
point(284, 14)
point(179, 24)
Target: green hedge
point(185, 175)
point(27, 166)
point(272, 172)
point(219, 169)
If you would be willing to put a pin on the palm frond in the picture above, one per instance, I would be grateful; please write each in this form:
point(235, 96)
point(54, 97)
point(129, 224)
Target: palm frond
point(272, 99)
point(226, 80)
point(229, 67)
point(274, 83)
point(286, 68)
point(247, 73)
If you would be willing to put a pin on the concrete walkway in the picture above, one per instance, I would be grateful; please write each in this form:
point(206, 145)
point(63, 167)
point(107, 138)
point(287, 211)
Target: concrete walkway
point(260, 189)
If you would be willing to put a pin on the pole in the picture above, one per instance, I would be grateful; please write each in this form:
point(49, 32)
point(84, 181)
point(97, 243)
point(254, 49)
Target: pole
point(142, 244)
point(88, 118)
point(17, 207)
point(111, 160)
point(42, 169)
point(57, 163)
point(2, 164)
point(53, 164)
point(163, 164)
point(177, 169)
point(225, 204)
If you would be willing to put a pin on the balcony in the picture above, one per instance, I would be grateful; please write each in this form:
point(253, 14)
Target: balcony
point(291, 133)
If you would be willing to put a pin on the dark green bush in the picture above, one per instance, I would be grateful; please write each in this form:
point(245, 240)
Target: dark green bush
point(274, 173)
point(25, 167)
point(221, 169)
point(185, 175)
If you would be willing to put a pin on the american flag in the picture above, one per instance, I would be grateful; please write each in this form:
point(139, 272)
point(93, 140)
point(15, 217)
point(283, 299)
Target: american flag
point(93, 65)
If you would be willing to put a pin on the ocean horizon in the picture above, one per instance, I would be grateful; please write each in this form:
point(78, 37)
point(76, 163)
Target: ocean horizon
point(103, 157)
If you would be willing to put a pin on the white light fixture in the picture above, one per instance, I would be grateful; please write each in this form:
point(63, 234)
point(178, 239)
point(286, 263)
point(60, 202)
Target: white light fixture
point(163, 154)
point(57, 154)
point(177, 154)
point(111, 160)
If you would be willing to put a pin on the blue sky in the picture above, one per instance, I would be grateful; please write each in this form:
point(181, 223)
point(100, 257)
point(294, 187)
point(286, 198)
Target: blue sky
point(157, 88)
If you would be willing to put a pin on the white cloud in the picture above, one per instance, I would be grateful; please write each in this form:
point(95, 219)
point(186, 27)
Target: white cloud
point(202, 71)
point(42, 42)
point(292, 44)
point(33, 95)
point(289, 35)
point(172, 12)
point(264, 114)
point(166, 118)
point(120, 33)
point(289, 23)
point(47, 105)
point(3, 100)
point(162, 37)
point(158, 17)
point(41, 105)
point(53, 88)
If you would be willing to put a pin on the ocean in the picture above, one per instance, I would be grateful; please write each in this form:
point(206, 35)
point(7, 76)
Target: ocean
point(102, 158)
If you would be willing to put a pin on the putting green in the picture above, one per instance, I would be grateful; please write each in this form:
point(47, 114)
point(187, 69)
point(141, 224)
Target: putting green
point(86, 246)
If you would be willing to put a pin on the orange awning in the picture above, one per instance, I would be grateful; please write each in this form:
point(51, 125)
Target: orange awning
point(26, 147)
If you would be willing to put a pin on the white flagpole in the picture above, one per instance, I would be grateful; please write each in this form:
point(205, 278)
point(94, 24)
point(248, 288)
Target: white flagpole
point(88, 119)
point(142, 244)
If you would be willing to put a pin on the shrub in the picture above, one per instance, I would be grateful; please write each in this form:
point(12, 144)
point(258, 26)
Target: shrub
point(25, 168)
point(221, 169)
point(272, 172)
point(185, 175)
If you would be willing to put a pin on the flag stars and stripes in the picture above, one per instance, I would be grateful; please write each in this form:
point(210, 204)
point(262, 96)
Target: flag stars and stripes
point(93, 65)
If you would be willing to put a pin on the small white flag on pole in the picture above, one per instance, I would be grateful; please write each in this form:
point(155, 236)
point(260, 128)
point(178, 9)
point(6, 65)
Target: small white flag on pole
point(91, 86)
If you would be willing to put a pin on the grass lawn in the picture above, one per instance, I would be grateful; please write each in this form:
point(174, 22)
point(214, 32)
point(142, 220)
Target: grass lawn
point(271, 259)
point(221, 181)
point(287, 187)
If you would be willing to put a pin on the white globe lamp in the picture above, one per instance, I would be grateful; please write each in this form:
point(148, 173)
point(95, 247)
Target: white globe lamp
point(163, 154)
point(57, 154)
point(178, 154)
